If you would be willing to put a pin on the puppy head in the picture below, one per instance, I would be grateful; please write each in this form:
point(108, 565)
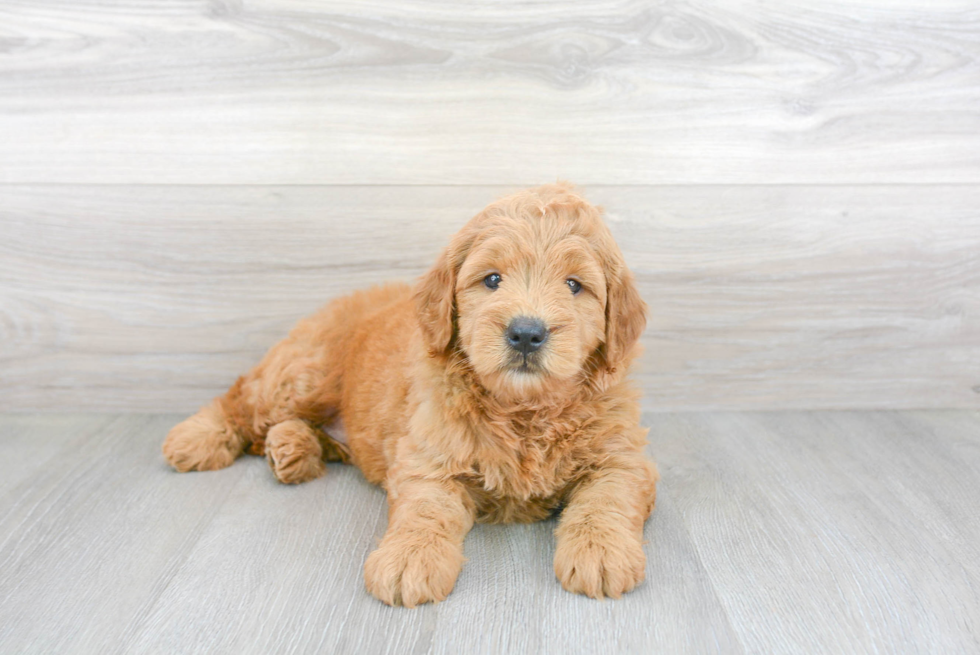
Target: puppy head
point(535, 293)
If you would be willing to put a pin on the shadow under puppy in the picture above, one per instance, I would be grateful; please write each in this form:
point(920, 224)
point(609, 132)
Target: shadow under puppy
point(495, 390)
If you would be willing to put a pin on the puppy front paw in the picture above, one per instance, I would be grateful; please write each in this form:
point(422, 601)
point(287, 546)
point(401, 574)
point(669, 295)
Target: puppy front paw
point(599, 565)
point(412, 569)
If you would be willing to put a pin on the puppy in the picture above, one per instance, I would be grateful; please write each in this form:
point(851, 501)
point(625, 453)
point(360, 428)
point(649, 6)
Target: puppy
point(493, 390)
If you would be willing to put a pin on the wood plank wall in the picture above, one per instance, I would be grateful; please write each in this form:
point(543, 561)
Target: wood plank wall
point(796, 184)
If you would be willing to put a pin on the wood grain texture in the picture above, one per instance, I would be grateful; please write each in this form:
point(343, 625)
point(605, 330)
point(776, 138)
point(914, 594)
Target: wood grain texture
point(831, 532)
point(509, 573)
point(396, 92)
point(137, 298)
point(780, 532)
point(29, 443)
point(91, 540)
point(267, 556)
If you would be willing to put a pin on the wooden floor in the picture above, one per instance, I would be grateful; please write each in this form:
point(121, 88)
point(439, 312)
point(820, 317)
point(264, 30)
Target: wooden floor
point(790, 532)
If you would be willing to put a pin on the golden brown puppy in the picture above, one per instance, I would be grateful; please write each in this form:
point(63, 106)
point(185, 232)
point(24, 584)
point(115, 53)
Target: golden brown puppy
point(494, 390)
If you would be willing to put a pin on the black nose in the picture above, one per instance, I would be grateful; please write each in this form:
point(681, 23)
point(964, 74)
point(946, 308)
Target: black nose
point(526, 334)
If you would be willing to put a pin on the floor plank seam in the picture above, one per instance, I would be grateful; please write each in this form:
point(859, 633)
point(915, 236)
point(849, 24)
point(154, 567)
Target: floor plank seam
point(710, 579)
point(60, 488)
point(378, 528)
point(139, 623)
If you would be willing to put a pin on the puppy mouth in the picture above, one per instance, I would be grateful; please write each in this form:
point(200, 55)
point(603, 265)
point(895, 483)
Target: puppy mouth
point(525, 365)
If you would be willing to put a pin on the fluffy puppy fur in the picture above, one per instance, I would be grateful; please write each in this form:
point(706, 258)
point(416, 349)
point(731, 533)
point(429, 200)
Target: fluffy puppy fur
point(455, 421)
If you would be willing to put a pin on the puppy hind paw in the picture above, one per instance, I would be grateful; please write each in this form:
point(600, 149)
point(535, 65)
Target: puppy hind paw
point(294, 453)
point(201, 443)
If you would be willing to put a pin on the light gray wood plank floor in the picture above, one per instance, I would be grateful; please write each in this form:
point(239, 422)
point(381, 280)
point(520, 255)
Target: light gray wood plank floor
point(774, 532)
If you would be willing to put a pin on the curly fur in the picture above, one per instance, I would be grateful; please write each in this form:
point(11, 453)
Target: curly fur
point(438, 411)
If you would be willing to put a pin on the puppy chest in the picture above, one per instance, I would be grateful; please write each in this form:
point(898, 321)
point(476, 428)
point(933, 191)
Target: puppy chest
point(493, 507)
point(517, 488)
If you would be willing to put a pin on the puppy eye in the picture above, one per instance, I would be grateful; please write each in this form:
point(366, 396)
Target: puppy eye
point(492, 281)
point(574, 285)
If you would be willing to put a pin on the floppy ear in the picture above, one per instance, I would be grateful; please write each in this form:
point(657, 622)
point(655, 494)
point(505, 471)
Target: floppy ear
point(626, 318)
point(435, 304)
point(435, 295)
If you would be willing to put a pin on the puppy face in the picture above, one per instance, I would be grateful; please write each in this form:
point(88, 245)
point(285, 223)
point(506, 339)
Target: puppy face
point(535, 293)
point(530, 303)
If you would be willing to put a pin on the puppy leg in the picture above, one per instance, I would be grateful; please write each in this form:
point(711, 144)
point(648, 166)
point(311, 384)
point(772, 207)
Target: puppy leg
point(294, 452)
point(422, 552)
point(204, 442)
point(600, 532)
